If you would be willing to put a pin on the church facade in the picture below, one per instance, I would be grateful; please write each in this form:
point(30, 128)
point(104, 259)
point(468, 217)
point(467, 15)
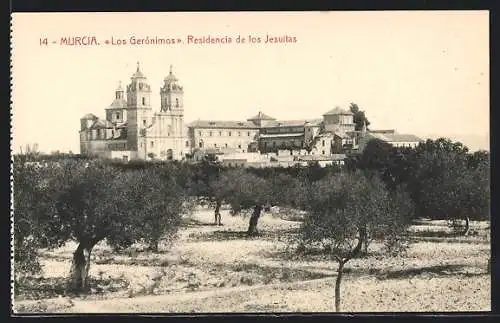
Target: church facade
point(132, 130)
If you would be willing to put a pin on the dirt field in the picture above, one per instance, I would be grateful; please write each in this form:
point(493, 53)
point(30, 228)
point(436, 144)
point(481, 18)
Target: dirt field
point(218, 269)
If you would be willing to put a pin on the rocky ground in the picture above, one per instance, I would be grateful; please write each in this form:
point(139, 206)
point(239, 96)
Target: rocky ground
point(218, 269)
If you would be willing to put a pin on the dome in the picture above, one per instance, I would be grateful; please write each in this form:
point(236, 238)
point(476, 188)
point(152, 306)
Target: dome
point(138, 73)
point(338, 111)
point(89, 116)
point(171, 81)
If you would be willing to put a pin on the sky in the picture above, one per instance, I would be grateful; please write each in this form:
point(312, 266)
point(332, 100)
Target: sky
point(418, 72)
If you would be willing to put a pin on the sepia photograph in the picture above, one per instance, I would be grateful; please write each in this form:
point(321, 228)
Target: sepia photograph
point(250, 162)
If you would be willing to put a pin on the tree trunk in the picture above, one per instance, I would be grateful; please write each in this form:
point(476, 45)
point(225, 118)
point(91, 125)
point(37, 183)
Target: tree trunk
point(153, 245)
point(217, 212)
point(252, 226)
point(363, 232)
point(78, 280)
point(337, 285)
point(467, 226)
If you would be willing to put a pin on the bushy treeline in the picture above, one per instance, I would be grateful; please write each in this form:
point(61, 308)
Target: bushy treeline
point(376, 195)
point(444, 180)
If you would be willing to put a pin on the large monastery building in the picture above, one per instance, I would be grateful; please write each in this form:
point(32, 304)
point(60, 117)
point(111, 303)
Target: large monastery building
point(132, 130)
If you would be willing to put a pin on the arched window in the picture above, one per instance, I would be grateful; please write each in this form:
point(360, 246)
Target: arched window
point(176, 102)
point(187, 143)
point(143, 101)
point(118, 115)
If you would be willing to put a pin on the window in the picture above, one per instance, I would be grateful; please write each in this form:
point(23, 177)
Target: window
point(239, 133)
point(152, 143)
point(249, 134)
point(210, 133)
point(323, 143)
point(239, 146)
point(323, 152)
point(117, 115)
point(176, 102)
point(201, 144)
point(226, 145)
point(220, 133)
point(143, 101)
point(187, 143)
point(199, 133)
point(229, 133)
point(215, 145)
point(143, 122)
point(125, 158)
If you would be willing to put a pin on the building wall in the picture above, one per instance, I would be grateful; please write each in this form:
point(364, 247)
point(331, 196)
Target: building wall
point(237, 138)
point(323, 145)
point(124, 155)
point(116, 115)
point(164, 138)
point(275, 143)
point(343, 123)
point(411, 144)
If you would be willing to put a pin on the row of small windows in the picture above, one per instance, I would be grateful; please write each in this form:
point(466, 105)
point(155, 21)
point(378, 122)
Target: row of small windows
point(274, 144)
point(211, 133)
point(144, 103)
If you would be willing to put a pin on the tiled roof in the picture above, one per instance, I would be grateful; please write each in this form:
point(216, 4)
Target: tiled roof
point(292, 123)
point(396, 137)
point(261, 116)
point(222, 124)
point(337, 111)
point(118, 104)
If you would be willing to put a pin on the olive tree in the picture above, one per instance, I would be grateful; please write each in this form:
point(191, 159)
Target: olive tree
point(340, 210)
point(89, 202)
point(243, 190)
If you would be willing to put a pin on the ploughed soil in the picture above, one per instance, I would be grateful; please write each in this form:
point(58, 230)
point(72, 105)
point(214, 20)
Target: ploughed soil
point(219, 269)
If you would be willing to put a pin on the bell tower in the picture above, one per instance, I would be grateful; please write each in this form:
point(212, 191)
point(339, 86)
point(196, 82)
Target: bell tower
point(172, 94)
point(172, 105)
point(139, 112)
